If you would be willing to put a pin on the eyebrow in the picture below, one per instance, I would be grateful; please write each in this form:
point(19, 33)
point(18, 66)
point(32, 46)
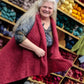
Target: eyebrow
point(48, 7)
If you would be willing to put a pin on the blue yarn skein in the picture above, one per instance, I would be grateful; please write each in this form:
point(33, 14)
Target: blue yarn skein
point(68, 45)
point(1, 29)
point(6, 33)
point(79, 29)
point(76, 33)
point(5, 9)
point(72, 42)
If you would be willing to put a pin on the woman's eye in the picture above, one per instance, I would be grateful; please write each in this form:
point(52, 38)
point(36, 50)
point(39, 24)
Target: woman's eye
point(44, 7)
point(50, 8)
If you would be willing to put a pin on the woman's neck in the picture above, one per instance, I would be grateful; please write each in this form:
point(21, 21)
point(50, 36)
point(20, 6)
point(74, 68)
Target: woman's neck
point(45, 19)
point(45, 22)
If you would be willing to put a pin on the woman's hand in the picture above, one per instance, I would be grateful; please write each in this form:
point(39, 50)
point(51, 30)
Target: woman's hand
point(40, 52)
point(31, 46)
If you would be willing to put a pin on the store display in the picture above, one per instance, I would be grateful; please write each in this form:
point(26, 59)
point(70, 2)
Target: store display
point(78, 12)
point(66, 23)
point(61, 73)
point(5, 31)
point(81, 65)
point(77, 31)
point(70, 81)
point(66, 5)
point(75, 73)
point(67, 55)
point(7, 13)
point(49, 79)
point(17, 2)
point(70, 42)
point(26, 4)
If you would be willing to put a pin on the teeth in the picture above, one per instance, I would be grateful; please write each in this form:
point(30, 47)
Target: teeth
point(46, 12)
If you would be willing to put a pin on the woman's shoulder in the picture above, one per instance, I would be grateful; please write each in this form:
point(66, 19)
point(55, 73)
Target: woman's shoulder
point(29, 20)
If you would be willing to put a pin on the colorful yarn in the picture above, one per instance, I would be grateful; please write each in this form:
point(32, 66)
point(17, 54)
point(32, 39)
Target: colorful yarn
point(69, 42)
point(8, 14)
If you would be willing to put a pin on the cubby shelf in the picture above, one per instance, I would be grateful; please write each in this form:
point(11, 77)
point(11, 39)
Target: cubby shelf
point(66, 49)
point(73, 79)
point(6, 1)
point(5, 36)
point(13, 23)
point(35, 81)
point(82, 4)
point(69, 16)
point(78, 67)
point(57, 75)
point(61, 29)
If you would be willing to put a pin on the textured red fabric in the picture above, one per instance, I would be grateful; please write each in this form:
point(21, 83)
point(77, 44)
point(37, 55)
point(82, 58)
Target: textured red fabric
point(17, 63)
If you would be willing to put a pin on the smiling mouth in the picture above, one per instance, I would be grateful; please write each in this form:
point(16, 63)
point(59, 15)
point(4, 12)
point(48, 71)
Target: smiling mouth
point(46, 12)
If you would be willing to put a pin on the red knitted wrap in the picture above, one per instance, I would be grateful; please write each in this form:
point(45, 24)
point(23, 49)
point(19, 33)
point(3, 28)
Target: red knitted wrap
point(17, 63)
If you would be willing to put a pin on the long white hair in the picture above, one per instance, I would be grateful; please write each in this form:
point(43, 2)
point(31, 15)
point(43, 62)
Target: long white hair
point(32, 12)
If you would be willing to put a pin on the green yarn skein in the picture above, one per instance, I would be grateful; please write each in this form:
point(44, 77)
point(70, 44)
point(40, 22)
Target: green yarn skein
point(79, 46)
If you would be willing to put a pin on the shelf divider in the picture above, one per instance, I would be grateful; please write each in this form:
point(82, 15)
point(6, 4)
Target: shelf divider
point(5, 36)
point(61, 29)
point(13, 23)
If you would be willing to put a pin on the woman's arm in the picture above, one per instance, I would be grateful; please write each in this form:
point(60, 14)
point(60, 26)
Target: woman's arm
point(31, 46)
point(20, 37)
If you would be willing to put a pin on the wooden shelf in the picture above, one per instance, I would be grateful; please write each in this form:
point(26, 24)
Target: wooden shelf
point(61, 29)
point(8, 2)
point(79, 2)
point(13, 23)
point(35, 81)
point(70, 16)
point(57, 75)
point(5, 36)
point(78, 67)
point(67, 49)
point(73, 79)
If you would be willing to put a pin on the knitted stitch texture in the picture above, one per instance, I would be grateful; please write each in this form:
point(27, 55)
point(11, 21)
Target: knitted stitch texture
point(17, 63)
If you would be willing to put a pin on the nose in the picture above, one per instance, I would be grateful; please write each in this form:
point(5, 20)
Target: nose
point(47, 9)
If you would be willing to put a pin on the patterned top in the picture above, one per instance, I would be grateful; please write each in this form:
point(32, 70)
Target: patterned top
point(22, 31)
point(49, 37)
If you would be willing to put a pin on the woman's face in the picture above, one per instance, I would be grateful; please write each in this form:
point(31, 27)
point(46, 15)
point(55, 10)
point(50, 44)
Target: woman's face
point(46, 10)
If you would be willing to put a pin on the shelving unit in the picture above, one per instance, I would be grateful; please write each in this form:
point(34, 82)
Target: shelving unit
point(6, 37)
point(78, 67)
point(39, 82)
point(61, 29)
point(73, 79)
point(13, 23)
point(57, 75)
point(79, 2)
point(66, 49)
point(58, 28)
point(70, 16)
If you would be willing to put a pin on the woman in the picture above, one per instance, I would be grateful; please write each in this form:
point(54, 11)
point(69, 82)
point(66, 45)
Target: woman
point(34, 48)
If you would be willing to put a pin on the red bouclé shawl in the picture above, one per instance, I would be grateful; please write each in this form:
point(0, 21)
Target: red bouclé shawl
point(17, 63)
